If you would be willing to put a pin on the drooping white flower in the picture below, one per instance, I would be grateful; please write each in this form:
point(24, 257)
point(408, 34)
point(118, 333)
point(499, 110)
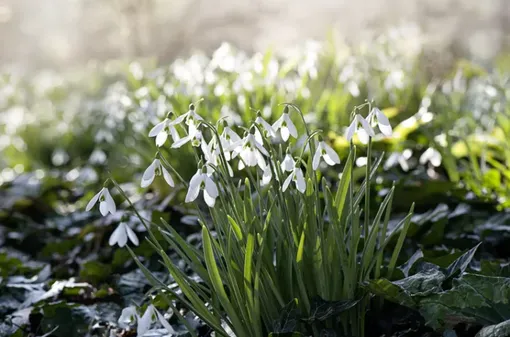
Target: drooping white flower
point(190, 116)
point(354, 126)
point(228, 138)
point(431, 155)
point(165, 323)
point(399, 157)
point(212, 155)
point(194, 136)
point(251, 152)
point(162, 130)
point(156, 169)
point(106, 203)
point(121, 234)
point(267, 175)
point(378, 117)
point(288, 163)
point(297, 176)
point(145, 322)
point(266, 127)
point(202, 181)
point(286, 127)
point(127, 317)
point(327, 153)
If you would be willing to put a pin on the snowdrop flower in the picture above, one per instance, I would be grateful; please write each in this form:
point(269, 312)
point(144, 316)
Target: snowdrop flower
point(148, 318)
point(202, 181)
point(190, 116)
point(298, 178)
point(353, 128)
point(194, 136)
point(381, 120)
point(121, 234)
point(156, 169)
point(288, 163)
point(267, 175)
point(162, 130)
point(212, 156)
point(228, 138)
point(127, 317)
point(327, 153)
point(106, 203)
point(286, 127)
point(400, 158)
point(431, 155)
point(268, 129)
point(251, 152)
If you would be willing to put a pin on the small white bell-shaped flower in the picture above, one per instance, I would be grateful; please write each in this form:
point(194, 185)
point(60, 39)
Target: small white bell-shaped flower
point(431, 155)
point(194, 136)
point(212, 156)
point(156, 169)
point(325, 152)
point(298, 178)
point(228, 138)
point(354, 127)
point(121, 234)
point(251, 152)
point(202, 181)
point(162, 130)
point(127, 317)
point(288, 163)
point(190, 116)
point(267, 175)
point(286, 127)
point(106, 203)
point(378, 117)
point(269, 131)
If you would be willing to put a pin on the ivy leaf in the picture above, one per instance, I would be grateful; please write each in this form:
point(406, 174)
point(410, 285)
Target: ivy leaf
point(322, 310)
point(462, 262)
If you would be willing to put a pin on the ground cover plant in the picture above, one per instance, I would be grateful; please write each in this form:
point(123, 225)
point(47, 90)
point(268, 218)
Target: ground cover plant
point(290, 247)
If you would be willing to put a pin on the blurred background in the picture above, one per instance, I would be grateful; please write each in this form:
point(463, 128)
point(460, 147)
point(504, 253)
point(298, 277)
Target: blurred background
point(60, 33)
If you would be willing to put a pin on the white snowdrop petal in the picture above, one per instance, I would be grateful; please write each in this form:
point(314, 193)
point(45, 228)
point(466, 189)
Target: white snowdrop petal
point(287, 181)
point(175, 135)
point(93, 201)
point(179, 119)
point(267, 175)
point(300, 180)
point(164, 323)
point(181, 142)
point(351, 130)
point(278, 123)
point(157, 128)
point(317, 157)
point(114, 238)
point(103, 208)
point(331, 154)
point(288, 163)
point(112, 208)
point(161, 138)
point(167, 177)
point(194, 187)
point(368, 129)
point(132, 235)
point(122, 235)
point(284, 131)
point(145, 321)
point(291, 127)
point(211, 187)
point(150, 172)
point(209, 200)
point(127, 316)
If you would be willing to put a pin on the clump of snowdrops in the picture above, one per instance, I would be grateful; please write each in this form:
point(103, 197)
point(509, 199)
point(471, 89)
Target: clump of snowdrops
point(284, 250)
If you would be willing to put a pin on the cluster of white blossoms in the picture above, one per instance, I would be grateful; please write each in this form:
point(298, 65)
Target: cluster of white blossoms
point(249, 150)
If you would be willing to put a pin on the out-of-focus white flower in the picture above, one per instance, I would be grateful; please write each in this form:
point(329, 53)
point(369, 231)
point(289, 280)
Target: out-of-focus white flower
point(250, 151)
point(162, 130)
point(194, 136)
point(267, 175)
point(156, 169)
point(354, 127)
point(298, 178)
point(378, 117)
point(106, 203)
point(288, 163)
point(127, 317)
point(431, 155)
point(327, 153)
point(286, 127)
point(202, 181)
point(228, 138)
point(121, 234)
point(399, 157)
